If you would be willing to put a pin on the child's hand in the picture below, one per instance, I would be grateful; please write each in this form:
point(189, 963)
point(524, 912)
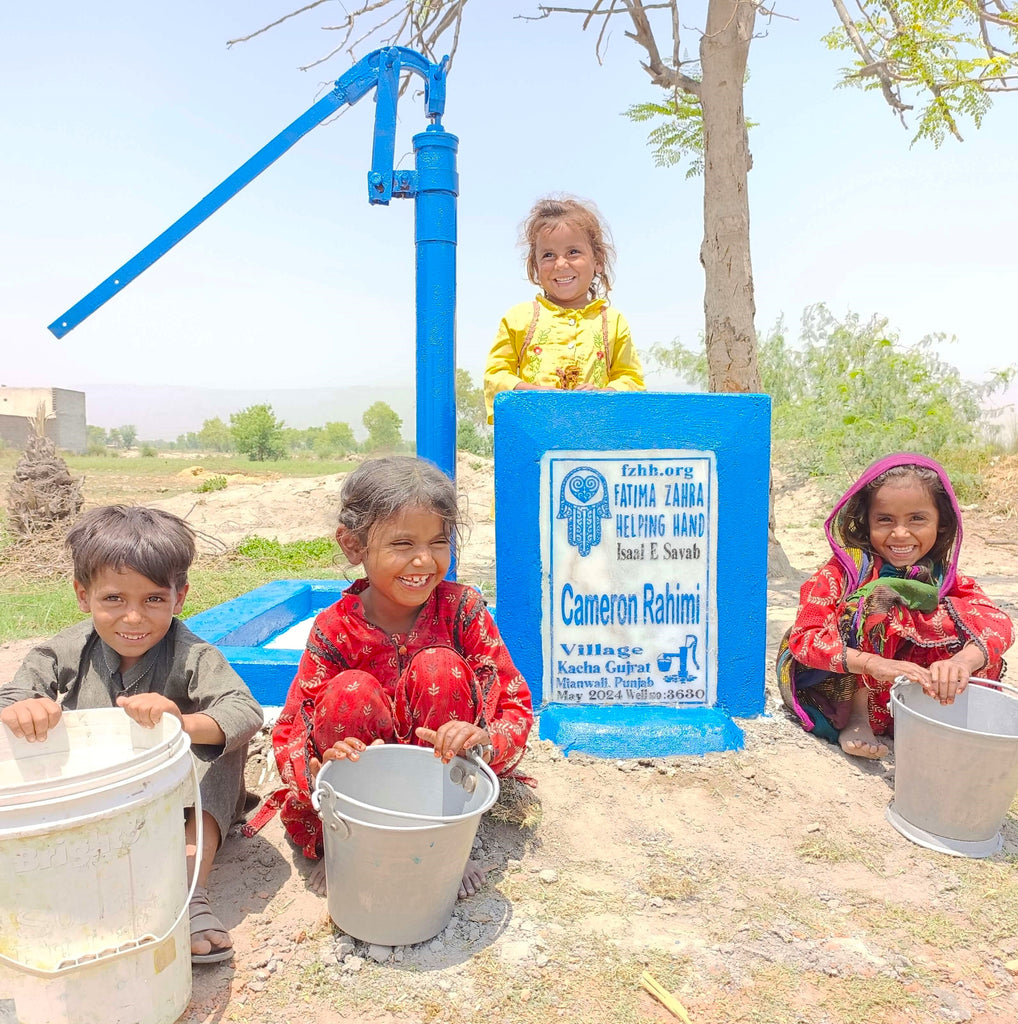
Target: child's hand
point(453, 738)
point(886, 670)
point(948, 680)
point(340, 751)
point(31, 719)
point(147, 708)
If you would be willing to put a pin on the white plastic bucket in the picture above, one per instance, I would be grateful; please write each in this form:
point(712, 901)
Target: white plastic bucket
point(399, 826)
point(956, 766)
point(93, 886)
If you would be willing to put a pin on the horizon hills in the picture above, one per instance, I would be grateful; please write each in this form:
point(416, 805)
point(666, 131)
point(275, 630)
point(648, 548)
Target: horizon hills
point(163, 413)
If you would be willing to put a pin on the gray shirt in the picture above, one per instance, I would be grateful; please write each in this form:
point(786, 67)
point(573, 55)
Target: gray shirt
point(78, 670)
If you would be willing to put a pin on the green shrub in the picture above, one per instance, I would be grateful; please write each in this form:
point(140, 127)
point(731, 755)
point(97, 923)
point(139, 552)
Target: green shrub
point(293, 556)
point(850, 391)
point(148, 452)
point(474, 439)
point(213, 483)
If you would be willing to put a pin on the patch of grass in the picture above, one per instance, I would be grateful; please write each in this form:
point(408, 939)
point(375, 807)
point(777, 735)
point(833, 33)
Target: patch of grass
point(869, 999)
point(41, 609)
point(990, 895)
point(668, 884)
point(781, 994)
point(821, 849)
point(255, 561)
point(673, 876)
point(160, 463)
point(29, 608)
point(924, 925)
point(213, 483)
point(298, 556)
point(778, 907)
point(560, 900)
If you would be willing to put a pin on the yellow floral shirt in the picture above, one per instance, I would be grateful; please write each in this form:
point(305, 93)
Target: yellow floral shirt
point(541, 343)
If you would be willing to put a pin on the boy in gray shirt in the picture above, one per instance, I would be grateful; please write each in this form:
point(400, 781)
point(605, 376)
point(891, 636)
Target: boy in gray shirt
point(130, 576)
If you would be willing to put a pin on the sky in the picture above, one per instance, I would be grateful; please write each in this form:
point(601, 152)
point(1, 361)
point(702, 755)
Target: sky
point(119, 116)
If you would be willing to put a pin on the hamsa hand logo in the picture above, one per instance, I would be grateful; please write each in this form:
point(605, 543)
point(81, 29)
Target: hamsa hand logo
point(584, 503)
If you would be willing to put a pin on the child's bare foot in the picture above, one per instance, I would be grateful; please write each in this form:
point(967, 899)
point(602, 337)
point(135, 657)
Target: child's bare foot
point(857, 737)
point(474, 876)
point(316, 878)
point(861, 742)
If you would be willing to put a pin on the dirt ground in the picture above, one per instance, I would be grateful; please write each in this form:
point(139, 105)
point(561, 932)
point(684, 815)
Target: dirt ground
point(762, 885)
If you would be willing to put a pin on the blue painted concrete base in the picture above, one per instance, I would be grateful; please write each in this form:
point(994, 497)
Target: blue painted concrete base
point(639, 732)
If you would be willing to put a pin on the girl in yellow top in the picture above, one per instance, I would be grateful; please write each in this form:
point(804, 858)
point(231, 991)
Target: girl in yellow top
point(567, 338)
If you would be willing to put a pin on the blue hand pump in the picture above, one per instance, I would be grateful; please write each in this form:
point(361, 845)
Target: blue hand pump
point(434, 186)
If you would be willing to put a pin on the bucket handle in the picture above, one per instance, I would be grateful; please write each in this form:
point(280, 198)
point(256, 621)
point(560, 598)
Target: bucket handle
point(66, 967)
point(323, 798)
point(990, 684)
point(458, 776)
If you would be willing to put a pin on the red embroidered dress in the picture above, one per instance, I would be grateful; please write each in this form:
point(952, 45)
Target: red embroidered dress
point(837, 611)
point(355, 680)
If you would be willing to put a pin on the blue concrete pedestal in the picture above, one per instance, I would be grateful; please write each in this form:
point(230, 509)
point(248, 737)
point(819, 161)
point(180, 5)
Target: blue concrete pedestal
point(531, 428)
point(648, 732)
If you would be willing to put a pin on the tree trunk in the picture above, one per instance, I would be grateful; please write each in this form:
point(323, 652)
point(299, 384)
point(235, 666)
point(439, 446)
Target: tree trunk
point(728, 300)
point(729, 308)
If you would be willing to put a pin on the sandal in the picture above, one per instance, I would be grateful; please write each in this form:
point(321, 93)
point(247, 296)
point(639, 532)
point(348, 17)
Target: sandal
point(203, 920)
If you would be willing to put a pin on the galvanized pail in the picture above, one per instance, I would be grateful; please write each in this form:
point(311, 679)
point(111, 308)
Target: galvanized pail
point(956, 766)
point(399, 826)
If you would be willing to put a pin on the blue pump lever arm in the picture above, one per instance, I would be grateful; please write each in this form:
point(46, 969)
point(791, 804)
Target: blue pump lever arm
point(348, 88)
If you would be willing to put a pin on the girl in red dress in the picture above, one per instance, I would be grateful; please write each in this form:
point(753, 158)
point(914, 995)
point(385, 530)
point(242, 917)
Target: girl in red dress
point(890, 602)
point(404, 656)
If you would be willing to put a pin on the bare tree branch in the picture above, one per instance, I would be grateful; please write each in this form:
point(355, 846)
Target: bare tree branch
point(873, 66)
point(419, 24)
point(278, 21)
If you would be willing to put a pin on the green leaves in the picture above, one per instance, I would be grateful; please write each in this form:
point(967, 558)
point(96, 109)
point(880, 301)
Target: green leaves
point(383, 424)
point(257, 433)
point(679, 137)
point(848, 391)
point(946, 56)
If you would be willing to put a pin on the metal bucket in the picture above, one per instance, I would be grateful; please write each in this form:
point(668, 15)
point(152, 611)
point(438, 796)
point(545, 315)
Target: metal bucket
point(956, 766)
point(399, 826)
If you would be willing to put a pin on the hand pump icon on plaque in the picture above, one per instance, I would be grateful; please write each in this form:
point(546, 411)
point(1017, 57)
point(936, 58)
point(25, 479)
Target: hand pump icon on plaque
point(685, 654)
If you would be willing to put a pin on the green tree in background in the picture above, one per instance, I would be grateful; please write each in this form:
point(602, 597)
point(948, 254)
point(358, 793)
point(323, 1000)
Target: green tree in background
point(128, 434)
point(850, 390)
point(257, 433)
point(188, 442)
point(335, 440)
point(95, 440)
point(383, 426)
point(472, 431)
point(469, 398)
point(296, 440)
point(216, 436)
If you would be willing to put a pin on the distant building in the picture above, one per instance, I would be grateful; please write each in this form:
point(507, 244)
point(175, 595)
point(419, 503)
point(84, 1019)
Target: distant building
point(64, 411)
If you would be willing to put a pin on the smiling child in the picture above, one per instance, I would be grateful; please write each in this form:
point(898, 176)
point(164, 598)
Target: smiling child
point(130, 577)
point(568, 338)
point(404, 656)
point(890, 602)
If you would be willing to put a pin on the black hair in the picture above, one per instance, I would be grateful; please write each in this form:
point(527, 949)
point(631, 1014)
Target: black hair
point(156, 544)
